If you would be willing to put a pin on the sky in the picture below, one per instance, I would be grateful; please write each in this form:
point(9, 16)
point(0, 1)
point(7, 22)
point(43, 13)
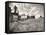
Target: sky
point(28, 9)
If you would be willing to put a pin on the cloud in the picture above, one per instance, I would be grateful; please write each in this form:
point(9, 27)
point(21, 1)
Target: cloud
point(28, 9)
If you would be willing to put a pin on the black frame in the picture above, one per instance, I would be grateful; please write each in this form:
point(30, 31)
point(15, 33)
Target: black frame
point(7, 16)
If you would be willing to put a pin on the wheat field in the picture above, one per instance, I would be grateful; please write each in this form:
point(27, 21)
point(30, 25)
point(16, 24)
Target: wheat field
point(27, 25)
